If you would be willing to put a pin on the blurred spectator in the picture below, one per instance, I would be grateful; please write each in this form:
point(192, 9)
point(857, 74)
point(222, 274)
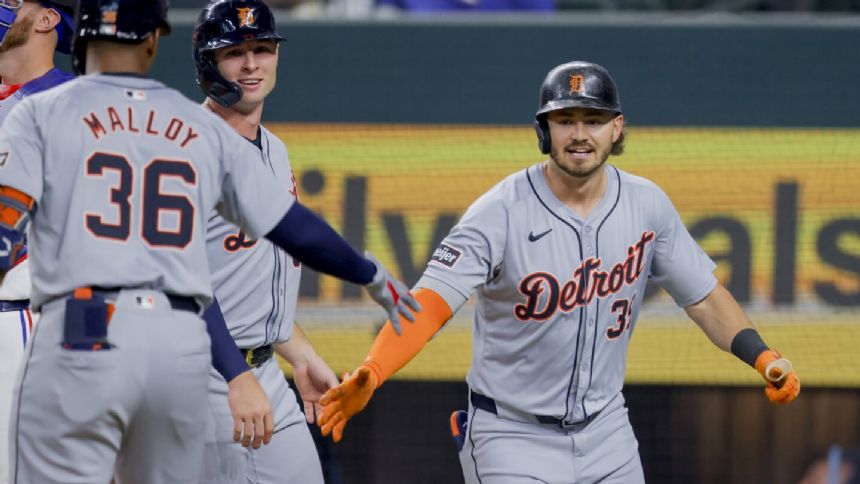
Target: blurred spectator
point(299, 8)
point(288, 3)
point(425, 6)
point(837, 466)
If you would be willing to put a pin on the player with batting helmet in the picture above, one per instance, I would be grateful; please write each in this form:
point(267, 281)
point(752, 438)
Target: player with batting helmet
point(30, 33)
point(115, 377)
point(236, 50)
point(559, 255)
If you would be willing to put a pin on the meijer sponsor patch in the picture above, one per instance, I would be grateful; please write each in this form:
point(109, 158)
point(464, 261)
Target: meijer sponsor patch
point(446, 255)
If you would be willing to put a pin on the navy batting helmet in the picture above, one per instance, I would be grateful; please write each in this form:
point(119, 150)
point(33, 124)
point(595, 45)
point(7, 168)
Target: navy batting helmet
point(223, 23)
point(125, 21)
point(576, 84)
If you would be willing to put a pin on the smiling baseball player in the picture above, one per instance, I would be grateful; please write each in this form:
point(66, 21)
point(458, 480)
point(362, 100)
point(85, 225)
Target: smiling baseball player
point(256, 284)
point(559, 255)
point(125, 173)
point(30, 32)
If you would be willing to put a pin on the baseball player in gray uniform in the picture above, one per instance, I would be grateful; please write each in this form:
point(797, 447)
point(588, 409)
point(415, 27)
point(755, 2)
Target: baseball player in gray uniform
point(30, 33)
point(559, 255)
point(235, 45)
point(125, 173)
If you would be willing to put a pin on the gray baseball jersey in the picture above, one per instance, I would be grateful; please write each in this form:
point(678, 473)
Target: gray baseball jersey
point(257, 285)
point(125, 172)
point(558, 295)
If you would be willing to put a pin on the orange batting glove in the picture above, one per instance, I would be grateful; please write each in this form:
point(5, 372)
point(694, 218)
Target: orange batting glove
point(783, 386)
point(345, 400)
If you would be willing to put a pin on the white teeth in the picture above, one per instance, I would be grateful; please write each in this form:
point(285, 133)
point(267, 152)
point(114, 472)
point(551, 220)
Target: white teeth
point(251, 82)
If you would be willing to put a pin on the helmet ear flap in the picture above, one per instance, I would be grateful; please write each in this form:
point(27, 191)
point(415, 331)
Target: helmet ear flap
point(213, 84)
point(542, 130)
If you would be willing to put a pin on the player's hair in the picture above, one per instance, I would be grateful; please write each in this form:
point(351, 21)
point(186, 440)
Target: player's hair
point(618, 145)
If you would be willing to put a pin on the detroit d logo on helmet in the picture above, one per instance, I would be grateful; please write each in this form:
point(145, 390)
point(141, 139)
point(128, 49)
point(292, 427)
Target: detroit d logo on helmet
point(246, 17)
point(576, 83)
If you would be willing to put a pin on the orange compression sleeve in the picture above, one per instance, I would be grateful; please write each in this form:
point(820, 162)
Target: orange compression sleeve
point(391, 352)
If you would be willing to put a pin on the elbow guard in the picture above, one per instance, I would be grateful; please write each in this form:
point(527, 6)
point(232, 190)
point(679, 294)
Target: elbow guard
point(15, 207)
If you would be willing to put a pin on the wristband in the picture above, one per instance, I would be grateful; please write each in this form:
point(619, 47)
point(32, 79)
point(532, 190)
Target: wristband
point(747, 345)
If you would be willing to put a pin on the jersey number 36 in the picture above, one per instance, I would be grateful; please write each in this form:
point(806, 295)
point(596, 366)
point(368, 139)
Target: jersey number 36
point(154, 202)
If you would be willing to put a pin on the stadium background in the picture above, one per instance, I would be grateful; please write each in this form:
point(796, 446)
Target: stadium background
point(748, 122)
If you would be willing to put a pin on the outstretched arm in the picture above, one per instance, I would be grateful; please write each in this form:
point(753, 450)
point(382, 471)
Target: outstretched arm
point(312, 241)
point(311, 373)
point(728, 327)
point(720, 317)
point(388, 354)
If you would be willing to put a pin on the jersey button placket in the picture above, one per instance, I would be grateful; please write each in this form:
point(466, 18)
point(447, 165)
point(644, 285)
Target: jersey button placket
point(588, 242)
point(585, 362)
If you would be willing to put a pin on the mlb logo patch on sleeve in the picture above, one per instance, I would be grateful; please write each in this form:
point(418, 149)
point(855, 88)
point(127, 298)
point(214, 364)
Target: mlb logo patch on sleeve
point(446, 255)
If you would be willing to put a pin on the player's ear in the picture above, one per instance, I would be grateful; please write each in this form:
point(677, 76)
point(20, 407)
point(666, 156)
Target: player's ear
point(617, 126)
point(152, 43)
point(46, 20)
point(147, 50)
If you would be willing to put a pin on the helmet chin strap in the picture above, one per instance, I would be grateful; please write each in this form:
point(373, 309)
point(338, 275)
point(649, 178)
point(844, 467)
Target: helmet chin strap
point(8, 13)
point(215, 86)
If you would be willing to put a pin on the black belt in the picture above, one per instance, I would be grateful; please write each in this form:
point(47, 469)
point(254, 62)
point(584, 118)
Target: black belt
point(257, 356)
point(16, 305)
point(180, 303)
point(487, 404)
point(183, 303)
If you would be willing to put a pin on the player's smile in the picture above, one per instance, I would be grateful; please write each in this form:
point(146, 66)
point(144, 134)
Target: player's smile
point(250, 85)
point(579, 152)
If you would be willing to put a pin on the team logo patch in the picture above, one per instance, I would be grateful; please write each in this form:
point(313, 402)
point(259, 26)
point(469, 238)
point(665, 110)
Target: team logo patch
point(246, 17)
point(4, 157)
point(577, 82)
point(446, 255)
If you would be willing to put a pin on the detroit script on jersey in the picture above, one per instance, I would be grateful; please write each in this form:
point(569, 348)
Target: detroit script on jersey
point(588, 281)
point(558, 294)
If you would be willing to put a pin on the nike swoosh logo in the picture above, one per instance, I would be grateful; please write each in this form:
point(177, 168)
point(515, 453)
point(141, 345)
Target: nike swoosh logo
point(535, 238)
